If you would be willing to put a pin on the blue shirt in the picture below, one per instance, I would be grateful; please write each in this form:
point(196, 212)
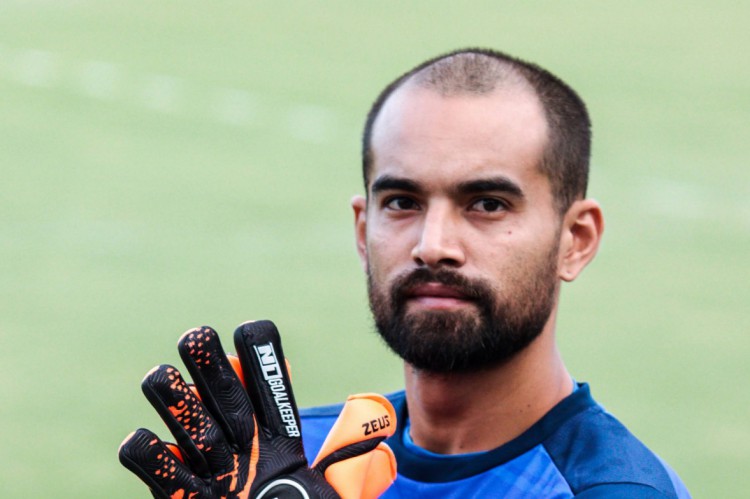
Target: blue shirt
point(576, 450)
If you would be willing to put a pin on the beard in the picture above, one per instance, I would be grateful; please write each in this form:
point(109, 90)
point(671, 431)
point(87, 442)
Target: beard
point(487, 334)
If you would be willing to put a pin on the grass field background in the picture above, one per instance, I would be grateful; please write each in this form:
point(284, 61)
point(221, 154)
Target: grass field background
point(167, 165)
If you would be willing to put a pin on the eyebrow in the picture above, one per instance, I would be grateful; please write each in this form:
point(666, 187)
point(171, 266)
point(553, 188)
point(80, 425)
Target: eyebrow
point(390, 183)
point(493, 184)
point(478, 186)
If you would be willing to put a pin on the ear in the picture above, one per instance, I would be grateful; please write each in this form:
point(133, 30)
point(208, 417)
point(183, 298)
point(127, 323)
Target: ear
point(359, 205)
point(581, 233)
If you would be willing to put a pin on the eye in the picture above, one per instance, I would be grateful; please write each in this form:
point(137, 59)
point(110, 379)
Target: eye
point(401, 203)
point(489, 205)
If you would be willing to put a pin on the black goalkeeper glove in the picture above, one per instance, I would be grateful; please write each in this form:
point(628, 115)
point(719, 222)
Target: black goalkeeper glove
point(240, 438)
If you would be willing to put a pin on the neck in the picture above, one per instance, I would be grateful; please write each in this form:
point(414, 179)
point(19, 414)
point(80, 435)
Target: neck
point(472, 412)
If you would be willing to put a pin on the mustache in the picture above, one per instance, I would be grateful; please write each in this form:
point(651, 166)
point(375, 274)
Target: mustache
point(473, 289)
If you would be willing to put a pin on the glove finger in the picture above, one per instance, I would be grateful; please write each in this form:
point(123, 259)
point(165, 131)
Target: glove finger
point(176, 451)
point(206, 449)
point(366, 420)
point(267, 378)
point(235, 362)
point(365, 476)
point(150, 459)
point(218, 384)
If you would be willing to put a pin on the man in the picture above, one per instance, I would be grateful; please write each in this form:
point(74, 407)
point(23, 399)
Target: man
point(475, 167)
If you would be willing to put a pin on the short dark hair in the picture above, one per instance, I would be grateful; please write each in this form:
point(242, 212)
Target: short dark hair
point(565, 160)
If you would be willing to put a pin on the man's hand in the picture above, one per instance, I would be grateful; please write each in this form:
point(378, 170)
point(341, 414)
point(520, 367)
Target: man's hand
point(241, 438)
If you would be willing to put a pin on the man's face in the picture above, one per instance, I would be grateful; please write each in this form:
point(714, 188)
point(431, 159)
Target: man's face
point(459, 234)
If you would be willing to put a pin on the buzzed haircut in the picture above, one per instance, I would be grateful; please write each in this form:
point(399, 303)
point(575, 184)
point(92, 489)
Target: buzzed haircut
point(473, 71)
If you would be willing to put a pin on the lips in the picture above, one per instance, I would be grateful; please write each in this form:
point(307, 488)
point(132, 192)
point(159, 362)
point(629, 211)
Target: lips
point(435, 290)
point(436, 296)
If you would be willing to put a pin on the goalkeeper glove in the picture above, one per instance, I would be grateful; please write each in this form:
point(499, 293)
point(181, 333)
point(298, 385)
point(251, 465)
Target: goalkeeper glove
point(238, 436)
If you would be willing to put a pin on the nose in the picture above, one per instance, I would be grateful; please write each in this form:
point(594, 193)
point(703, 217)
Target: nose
point(439, 240)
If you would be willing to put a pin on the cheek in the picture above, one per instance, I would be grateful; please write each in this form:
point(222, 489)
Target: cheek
point(505, 269)
point(513, 259)
point(385, 246)
point(380, 256)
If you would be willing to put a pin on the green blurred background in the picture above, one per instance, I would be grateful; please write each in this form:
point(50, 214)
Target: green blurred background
point(167, 165)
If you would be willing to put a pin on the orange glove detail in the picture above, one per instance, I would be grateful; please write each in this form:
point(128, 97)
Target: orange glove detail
point(368, 474)
point(240, 440)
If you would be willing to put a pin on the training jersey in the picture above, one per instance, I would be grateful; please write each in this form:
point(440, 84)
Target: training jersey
point(576, 450)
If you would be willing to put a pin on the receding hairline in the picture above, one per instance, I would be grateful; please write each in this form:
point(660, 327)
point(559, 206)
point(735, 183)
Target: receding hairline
point(469, 73)
point(507, 81)
point(462, 73)
point(505, 91)
point(480, 71)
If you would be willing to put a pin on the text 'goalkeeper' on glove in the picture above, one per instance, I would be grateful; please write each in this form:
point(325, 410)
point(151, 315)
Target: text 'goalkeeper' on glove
point(239, 436)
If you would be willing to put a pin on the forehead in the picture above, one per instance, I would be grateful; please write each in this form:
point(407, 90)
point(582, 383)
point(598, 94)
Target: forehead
point(424, 135)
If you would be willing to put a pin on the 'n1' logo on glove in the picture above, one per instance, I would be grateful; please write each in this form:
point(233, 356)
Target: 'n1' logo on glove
point(240, 438)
